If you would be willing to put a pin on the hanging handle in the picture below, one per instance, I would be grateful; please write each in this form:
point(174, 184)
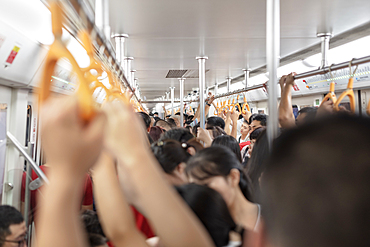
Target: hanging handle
point(245, 107)
point(57, 51)
point(330, 95)
point(348, 92)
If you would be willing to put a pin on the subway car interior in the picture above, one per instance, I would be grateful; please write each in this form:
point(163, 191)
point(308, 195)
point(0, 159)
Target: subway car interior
point(256, 123)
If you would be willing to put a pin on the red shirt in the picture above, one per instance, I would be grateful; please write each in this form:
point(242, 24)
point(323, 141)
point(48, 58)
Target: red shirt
point(142, 224)
point(86, 199)
point(243, 144)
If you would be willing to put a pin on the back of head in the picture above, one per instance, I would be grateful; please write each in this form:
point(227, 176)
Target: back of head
point(8, 216)
point(229, 142)
point(256, 164)
point(211, 209)
point(91, 222)
point(155, 133)
point(217, 131)
point(310, 113)
point(215, 121)
point(182, 135)
point(146, 119)
point(163, 124)
point(316, 185)
point(256, 133)
point(170, 154)
point(171, 121)
point(177, 134)
point(218, 161)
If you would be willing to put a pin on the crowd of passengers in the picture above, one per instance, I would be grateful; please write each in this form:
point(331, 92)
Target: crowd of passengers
point(131, 179)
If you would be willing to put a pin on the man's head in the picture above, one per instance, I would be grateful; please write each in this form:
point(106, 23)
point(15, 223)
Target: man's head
point(306, 114)
point(146, 120)
point(315, 189)
point(155, 114)
point(257, 121)
point(13, 230)
point(215, 121)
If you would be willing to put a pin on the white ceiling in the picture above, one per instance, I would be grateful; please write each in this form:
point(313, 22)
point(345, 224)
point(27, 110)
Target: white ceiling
point(169, 34)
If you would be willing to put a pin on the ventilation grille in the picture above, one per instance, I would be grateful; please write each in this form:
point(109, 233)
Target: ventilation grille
point(187, 73)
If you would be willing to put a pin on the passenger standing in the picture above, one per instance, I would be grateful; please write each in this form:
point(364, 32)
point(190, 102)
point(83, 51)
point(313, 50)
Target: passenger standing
point(219, 169)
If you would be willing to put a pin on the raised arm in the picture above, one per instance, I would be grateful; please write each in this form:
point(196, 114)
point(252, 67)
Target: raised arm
point(71, 147)
point(227, 123)
point(173, 221)
point(286, 116)
point(234, 118)
point(114, 212)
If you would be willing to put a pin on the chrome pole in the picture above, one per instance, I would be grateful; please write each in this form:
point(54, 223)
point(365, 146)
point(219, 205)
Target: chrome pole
point(202, 82)
point(182, 80)
point(102, 17)
point(272, 52)
point(216, 88)
point(228, 81)
point(120, 48)
point(325, 39)
point(132, 82)
point(246, 77)
point(128, 61)
point(33, 164)
point(27, 195)
point(172, 100)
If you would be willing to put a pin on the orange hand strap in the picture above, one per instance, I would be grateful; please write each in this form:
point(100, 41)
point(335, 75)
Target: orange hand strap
point(330, 95)
point(58, 50)
point(245, 107)
point(348, 92)
point(368, 108)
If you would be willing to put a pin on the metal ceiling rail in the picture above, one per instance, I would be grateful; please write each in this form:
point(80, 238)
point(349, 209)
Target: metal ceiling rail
point(105, 46)
point(303, 75)
point(355, 61)
point(240, 91)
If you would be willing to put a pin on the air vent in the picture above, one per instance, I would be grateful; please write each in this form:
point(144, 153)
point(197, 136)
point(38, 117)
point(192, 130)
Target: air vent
point(190, 73)
point(176, 73)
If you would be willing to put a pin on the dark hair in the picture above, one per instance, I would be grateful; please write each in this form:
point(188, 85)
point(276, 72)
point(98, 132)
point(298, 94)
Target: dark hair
point(8, 216)
point(155, 113)
point(260, 117)
point(211, 209)
point(182, 135)
point(315, 189)
point(195, 129)
point(146, 118)
point(170, 154)
point(256, 164)
point(91, 222)
point(217, 131)
point(190, 118)
point(177, 134)
point(215, 121)
point(156, 118)
point(96, 240)
point(251, 118)
point(229, 142)
point(218, 161)
point(171, 122)
point(310, 111)
point(256, 133)
point(155, 133)
point(162, 123)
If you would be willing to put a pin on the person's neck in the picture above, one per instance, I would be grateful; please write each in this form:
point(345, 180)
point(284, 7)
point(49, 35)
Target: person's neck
point(243, 211)
point(243, 136)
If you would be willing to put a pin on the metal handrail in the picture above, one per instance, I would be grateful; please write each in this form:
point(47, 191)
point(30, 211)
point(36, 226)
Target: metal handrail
point(33, 164)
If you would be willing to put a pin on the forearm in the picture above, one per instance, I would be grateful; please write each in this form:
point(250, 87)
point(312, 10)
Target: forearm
point(174, 223)
point(227, 126)
point(234, 129)
point(286, 116)
point(58, 223)
point(118, 226)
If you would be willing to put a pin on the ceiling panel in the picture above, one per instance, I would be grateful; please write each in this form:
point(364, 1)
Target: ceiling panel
point(169, 34)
